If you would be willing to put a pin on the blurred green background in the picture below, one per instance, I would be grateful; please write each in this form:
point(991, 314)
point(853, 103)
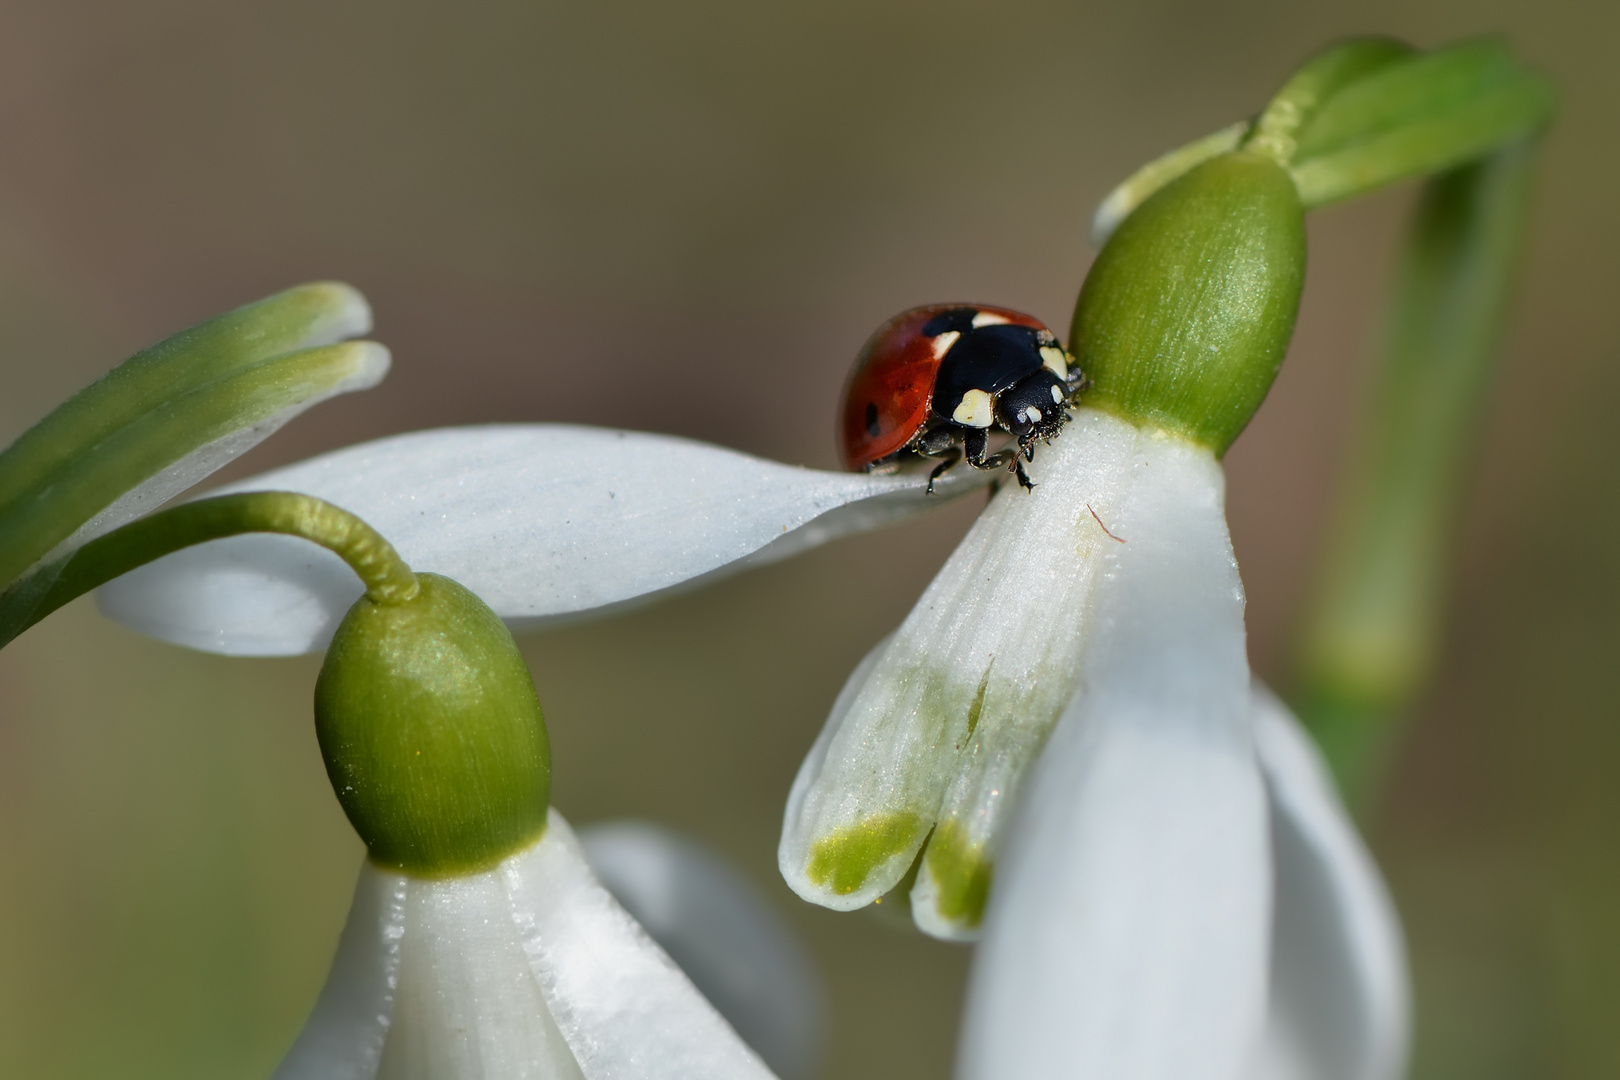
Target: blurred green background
point(687, 218)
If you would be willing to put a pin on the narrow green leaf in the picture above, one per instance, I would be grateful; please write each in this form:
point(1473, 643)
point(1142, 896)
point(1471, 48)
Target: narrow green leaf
point(1316, 82)
point(1419, 116)
point(1371, 634)
point(150, 455)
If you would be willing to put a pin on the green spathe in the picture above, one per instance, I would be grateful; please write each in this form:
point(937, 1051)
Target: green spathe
point(1186, 314)
point(432, 733)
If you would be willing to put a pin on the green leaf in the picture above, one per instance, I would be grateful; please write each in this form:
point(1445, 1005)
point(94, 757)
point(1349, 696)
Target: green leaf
point(1422, 115)
point(1275, 133)
point(1372, 631)
point(174, 412)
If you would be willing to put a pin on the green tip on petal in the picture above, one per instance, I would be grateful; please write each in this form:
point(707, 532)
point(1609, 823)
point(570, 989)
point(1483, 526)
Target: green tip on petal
point(961, 875)
point(1187, 312)
point(432, 733)
point(844, 860)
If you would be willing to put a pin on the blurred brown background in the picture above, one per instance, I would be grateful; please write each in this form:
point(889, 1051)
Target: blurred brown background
point(687, 218)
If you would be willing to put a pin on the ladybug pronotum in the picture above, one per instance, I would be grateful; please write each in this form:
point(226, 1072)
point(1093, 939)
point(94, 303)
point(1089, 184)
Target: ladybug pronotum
point(935, 382)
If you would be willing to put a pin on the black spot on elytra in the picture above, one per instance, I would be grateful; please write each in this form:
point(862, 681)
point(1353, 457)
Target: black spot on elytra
point(871, 419)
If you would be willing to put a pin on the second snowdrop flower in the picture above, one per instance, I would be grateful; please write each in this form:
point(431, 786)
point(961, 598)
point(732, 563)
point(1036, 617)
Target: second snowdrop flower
point(1182, 325)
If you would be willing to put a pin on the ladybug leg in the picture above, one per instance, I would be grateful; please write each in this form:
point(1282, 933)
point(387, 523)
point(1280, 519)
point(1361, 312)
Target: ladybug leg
point(976, 441)
point(953, 457)
point(939, 443)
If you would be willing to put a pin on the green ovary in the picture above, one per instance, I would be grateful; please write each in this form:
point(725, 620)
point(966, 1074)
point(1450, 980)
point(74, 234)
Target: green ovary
point(961, 874)
point(843, 860)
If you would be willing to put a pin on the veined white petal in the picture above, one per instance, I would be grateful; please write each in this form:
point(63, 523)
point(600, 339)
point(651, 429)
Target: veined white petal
point(1340, 999)
point(1128, 931)
point(529, 970)
point(542, 521)
point(626, 1010)
point(344, 1036)
point(725, 935)
point(470, 1003)
point(940, 732)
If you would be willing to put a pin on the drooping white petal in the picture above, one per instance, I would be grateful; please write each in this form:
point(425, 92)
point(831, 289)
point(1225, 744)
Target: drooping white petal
point(626, 1009)
point(939, 730)
point(528, 970)
point(1128, 930)
point(728, 939)
point(1340, 999)
point(542, 521)
point(344, 1036)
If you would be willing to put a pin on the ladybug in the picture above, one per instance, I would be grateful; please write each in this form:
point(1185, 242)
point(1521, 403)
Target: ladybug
point(934, 381)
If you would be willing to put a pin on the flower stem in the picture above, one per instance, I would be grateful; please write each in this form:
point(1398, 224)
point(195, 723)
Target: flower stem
point(388, 580)
point(1371, 635)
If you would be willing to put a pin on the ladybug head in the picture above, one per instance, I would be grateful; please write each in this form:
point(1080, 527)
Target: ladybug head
point(1035, 407)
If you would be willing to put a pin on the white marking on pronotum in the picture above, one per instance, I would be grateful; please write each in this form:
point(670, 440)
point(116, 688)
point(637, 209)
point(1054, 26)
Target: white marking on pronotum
point(975, 410)
point(1053, 360)
point(984, 318)
point(1057, 395)
point(943, 343)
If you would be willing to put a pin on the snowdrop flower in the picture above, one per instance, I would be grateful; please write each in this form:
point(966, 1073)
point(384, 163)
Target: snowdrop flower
point(479, 945)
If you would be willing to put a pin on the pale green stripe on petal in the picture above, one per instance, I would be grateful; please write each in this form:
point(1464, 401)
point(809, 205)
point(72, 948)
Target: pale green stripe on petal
point(960, 700)
point(541, 521)
point(1127, 934)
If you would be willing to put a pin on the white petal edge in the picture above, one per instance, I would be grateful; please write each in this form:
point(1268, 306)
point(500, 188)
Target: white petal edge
point(469, 955)
point(1128, 928)
point(542, 521)
point(1340, 993)
point(724, 934)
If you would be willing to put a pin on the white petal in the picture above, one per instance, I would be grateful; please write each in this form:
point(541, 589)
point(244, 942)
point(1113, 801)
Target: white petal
point(470, 1004)
point(626, 1010)
point(542, 521)
point(528, 970)
point(728, 939)
point(343, 1039)
point(1128, 931)
point(1340, 1000)
point(957, 706)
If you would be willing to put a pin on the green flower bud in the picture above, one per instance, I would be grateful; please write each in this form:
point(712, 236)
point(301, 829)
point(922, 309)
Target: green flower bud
point(432, 733)
point(1186, 314)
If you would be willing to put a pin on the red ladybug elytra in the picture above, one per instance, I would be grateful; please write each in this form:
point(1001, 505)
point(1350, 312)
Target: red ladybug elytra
point(934, 381)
